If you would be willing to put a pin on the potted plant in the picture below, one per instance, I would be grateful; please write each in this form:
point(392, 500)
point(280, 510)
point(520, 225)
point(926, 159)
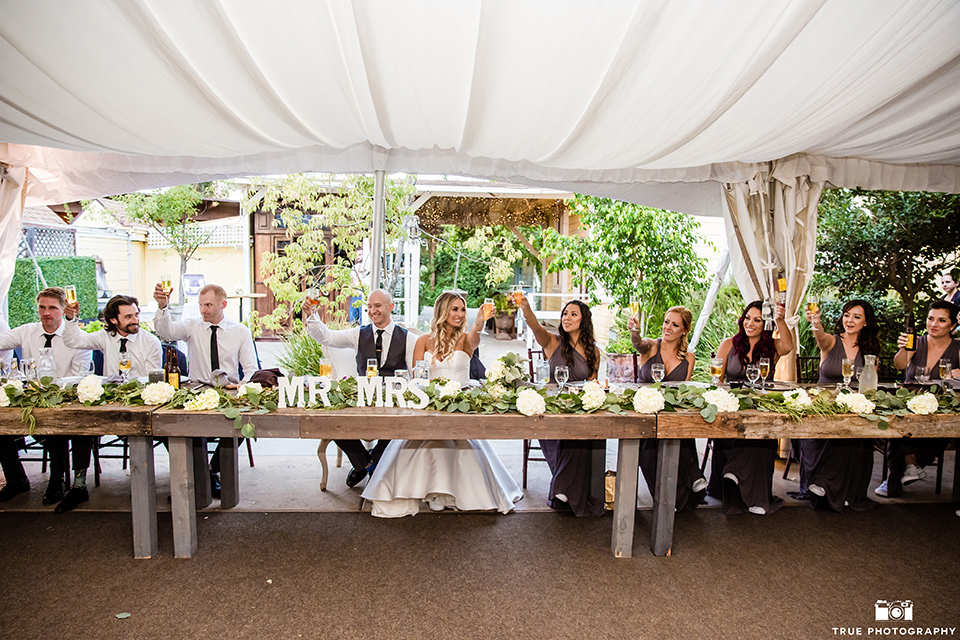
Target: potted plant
point(505, 319)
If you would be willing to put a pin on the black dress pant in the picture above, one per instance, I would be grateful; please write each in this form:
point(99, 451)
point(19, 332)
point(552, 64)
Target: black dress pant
point(357, 453)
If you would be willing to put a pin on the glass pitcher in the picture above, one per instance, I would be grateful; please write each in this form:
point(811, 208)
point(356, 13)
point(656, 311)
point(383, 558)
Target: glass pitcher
point(46, 367)
point(868, 376)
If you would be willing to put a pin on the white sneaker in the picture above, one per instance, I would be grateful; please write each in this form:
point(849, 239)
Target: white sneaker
point(759, 511)
point(817, 490)
point(435, 505)
point(732, 478)
point(958, 512)
point(699, 485)
point(912, 474)
point(561, 497)
point(882, 489)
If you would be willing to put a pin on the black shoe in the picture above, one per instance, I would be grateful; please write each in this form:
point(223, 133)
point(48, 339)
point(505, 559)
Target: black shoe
point(355, 476)
point(215, 485)
point(14, 488)
point(54, 492)
point(72, 500)
point(799, 495)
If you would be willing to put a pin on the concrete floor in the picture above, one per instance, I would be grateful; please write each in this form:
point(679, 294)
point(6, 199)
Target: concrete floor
point(286, 475)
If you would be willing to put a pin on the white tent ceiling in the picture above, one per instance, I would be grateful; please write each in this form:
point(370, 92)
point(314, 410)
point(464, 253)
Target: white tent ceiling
point(650, 101)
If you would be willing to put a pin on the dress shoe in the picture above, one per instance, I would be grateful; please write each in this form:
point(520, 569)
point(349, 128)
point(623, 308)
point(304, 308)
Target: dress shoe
point(54, 492)
point(215, 485)
point(14, 488)
point(72, 500)
point(799, 495)
point(355, 476)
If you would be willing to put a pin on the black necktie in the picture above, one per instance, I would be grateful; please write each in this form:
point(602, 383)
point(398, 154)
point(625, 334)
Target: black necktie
point(123, 345)
point(379, 345)
point(214, 350)
point(49, 340)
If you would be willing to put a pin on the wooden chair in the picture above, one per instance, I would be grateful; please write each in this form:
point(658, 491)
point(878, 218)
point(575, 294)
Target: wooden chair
point(528, 445)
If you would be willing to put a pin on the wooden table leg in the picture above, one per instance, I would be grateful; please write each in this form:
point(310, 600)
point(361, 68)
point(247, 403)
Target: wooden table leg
point(956, 475)
point(229, 473)
point(322, 454)
point(143, 497)
point(598, 463)
point(665, 497)
point(201, 473)
point(625, 498)
point(182, 497)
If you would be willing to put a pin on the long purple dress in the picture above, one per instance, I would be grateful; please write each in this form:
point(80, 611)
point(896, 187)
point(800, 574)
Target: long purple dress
point(750, 461)
point(688, 469)
point(842, 467)
point(571, 461)
point(924, 449)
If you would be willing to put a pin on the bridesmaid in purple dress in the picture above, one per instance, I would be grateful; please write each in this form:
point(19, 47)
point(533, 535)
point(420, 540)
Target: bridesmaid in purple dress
point(742, 470)
point(837, 472)
point(570, 461)
point(670, 350)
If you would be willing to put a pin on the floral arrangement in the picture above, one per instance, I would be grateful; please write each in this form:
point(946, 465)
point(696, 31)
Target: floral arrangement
point(508, 371)
point(157, 393)
point(89, 390)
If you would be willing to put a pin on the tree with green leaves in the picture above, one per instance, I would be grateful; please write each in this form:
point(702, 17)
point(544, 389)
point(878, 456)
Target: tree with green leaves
point(171, 213)
point(325, 216)
point(878, 241)
point(631, 251)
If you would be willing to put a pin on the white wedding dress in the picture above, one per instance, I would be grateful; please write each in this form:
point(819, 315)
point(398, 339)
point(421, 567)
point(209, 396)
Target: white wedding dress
point(457, 474)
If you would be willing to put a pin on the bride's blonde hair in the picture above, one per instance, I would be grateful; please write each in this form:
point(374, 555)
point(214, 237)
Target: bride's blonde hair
point(445, 338)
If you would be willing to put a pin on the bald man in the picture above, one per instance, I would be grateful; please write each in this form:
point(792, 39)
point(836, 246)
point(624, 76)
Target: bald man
point(383, 340)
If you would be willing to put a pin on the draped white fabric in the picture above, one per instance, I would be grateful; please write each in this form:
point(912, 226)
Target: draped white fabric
point(11, 213)
point(644, 100)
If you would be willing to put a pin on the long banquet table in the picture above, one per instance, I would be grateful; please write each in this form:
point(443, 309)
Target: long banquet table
point(135, 423)
point(374, 423)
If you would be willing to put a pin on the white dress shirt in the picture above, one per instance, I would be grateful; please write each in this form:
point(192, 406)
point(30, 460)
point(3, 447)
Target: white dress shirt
point(234, 344)
point(350, 338)
point(29, 337)
point(5, 354)
point(143, 348)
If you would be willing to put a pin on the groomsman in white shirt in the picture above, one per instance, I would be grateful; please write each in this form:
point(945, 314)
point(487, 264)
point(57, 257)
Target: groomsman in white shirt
point(121, 337)
point(31, 338)
point(215, 345)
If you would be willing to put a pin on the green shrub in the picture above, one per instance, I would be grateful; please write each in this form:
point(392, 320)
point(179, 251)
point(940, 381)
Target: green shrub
point(80, 271)
point(301, 356)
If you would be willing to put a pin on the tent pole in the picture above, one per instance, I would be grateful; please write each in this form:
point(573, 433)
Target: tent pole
point(711, 298)
point(379, 213)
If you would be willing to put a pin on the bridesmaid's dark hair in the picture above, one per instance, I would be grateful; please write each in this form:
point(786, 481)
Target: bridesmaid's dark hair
point(868, 341)
point(586, 337)
point(766, 347)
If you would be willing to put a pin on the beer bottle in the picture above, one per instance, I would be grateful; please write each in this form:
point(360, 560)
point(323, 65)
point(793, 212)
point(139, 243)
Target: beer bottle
point(911, 333)
point(781, 287)
point(171, 370)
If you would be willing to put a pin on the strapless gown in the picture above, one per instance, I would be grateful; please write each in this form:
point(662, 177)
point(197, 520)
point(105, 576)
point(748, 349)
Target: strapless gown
point(458, 474)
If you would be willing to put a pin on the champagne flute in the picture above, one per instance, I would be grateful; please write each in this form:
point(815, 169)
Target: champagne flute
point(562, 374)
point(125, 364)
point(846, 370)
point(764, 371)
point(716, 370)
point(753, 374)
point(71, 293)
point(373, 367)
point(166, 283)
point(658, 371)
point(634, 306)
point(325, 368)
point(487, 309)
point(518, 295)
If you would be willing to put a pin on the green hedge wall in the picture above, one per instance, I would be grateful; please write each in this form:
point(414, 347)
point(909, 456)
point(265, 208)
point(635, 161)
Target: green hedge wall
point(80, 271)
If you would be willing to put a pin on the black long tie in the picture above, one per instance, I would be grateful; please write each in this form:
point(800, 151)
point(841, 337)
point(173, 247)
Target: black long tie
point(123, 345)
point(214, 350)
point(379, 346)
point(49, 340)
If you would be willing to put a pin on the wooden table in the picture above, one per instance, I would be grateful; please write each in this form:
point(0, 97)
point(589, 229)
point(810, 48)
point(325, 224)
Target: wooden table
point(374, 423)
point(133, 422)
point(758, 425)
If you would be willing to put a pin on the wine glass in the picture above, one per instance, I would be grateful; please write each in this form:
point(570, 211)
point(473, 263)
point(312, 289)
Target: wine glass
point(562, 374)
point(813, 305)
point(518, 295)
point(125, 364)
point(764, 364)
point(657, 371)
point(753, 374)
point(487, 309)
point(716, 370)
point(922, 375)
point(946, 367)
point(846, 370)
point(373, 367)
point(28, 367)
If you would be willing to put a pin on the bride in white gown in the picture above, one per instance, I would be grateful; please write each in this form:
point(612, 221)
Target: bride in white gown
point(458, 474)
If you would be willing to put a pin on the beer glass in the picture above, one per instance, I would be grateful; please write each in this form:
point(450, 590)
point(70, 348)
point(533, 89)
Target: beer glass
point(326, 367)
point(373, 367)
point(71, 294)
